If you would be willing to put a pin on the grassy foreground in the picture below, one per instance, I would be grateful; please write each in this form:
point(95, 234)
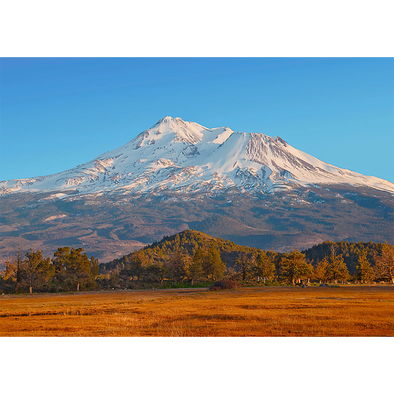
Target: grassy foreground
point(266, 311)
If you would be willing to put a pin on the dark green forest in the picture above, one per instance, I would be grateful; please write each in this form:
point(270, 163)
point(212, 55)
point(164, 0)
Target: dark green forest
point(193, 258)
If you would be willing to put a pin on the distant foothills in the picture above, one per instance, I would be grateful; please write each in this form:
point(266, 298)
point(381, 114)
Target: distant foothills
point(195, 259)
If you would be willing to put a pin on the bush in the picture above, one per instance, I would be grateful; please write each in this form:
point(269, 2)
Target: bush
point(225, 284)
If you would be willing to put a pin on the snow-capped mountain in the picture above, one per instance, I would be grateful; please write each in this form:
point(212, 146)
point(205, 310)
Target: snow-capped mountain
point(175, 155)
point(246, 187)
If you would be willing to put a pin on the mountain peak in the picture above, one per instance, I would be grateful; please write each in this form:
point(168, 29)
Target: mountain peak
point(180, 130)
point(186, 156)
point(169, 119)
point(165, 119)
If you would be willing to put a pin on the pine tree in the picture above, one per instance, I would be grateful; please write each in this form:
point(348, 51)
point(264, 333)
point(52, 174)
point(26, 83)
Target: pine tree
point(94, 267)
point(137, 263)
point(337, 269)
point(384, 263)
point(321, 271)
point(9, 272)
point(365, 272)
point(265, 266)
point(73, 268)
point(79, 267)
point(177, 266)
point(12, 273)
point(294, 267)
point(59, 261)
point(245, 264)
point(36, 270)
point(213, 265)
point(194, 269)
point(156, 272)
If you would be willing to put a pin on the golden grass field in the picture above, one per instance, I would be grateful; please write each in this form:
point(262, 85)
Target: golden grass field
point(266, 311)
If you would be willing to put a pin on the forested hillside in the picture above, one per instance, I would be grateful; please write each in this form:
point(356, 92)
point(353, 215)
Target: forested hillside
point(190, 252)
point(351, 251)
point(190, 256)
point(186, 242)
point(193, 258)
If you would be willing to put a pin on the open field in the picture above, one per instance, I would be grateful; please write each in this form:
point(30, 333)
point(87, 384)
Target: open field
point(265, 311)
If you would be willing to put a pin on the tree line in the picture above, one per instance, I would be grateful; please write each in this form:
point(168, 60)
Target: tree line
point(69, 269)
point(350, 251)
point(250, 268)
point(192, 258)
point(326, 262)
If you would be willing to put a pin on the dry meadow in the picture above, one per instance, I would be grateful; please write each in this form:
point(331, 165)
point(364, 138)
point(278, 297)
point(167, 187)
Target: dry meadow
point(266, 311)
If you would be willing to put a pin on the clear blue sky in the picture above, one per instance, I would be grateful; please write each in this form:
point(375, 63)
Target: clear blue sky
point(56, 113)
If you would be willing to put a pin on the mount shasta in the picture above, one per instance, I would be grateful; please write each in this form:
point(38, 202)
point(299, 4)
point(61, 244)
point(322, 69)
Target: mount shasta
point(247, 187)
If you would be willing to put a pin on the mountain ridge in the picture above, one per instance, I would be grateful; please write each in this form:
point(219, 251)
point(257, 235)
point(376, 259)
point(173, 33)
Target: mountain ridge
point(188, 157)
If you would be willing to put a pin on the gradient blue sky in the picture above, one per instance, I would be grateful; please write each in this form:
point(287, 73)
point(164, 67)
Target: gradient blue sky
point(56, 113)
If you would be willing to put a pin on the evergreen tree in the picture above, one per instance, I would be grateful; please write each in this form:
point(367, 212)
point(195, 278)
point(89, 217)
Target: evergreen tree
point(156, 272)
point(73, 268)
point(12, 273)
point(245, 264)
point(265, 266)
point(137, 264)
point(213, 265)
point(79, 268)
point(36, 270)
point(384, 263)
point(9, 273)
point(337, 269)
point(365, 272)
point(60, 262)
point(294, 267)
point(321, 271)
point(194, 269)
point(177, 266)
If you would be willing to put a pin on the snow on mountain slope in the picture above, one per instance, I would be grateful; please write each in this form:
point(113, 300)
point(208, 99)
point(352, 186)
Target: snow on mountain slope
point(187, 157)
